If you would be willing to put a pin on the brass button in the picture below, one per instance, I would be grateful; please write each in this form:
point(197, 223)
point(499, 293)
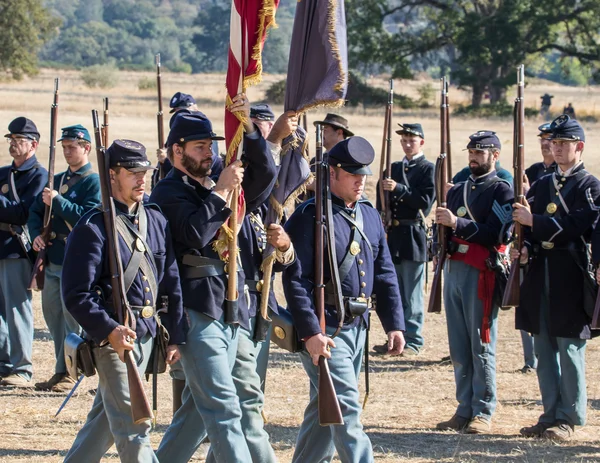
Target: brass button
point(362, 273)
point(401, 200)
point(136, 221)
point(473, 187)
point(353, 215)
point(68, 178)
point(363, 284)
point(395, 223)
point(146, 290)
point(144, 278)
point(406, 169)
point(52, 235)
point(257, 228)
point(259, 285)
point(147, 301)
point(360, 261)
point(363, 295)
point(147, 312)
point(99, 292)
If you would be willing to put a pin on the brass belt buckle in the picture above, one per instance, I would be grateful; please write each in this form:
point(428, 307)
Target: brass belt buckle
point(147, 311)
point(547, 244)
point(463, 248)
point(259, 285)
point(395, 222)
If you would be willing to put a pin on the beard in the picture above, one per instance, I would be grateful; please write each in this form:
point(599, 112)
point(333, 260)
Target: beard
point(481, 169)
point(194, 167)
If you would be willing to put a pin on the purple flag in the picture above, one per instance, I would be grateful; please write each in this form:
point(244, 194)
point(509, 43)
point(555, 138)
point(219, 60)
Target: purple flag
point(318, 63)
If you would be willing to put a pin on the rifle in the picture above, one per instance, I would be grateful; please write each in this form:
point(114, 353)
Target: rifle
point(367, 383)
point(441, 178)
point(448, 142)
point(36, 280)
point(512, 292)
point(385, 162)
point(159, 117)
point(105, 122)
point(329, 406)
point(140, 406)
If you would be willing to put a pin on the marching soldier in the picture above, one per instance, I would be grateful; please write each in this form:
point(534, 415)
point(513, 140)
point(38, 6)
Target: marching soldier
point(562, 210)
point(361, 242)
point(144, 241)
point(198, 208)
point(20, 183)
point(411, 184)
point(78, 191)
point(478, 217)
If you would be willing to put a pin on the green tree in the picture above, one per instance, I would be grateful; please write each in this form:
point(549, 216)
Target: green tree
point(480, 41)
point(24, 27)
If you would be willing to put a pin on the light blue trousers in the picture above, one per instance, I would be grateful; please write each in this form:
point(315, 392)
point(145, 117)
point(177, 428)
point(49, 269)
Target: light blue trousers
point(16, 318)
point(474, 362)
point(210, 402)
point(110, 419)
point(528, 349)
point(411, 279)
point(318, 444)
point(561, 371)
point(59, 321)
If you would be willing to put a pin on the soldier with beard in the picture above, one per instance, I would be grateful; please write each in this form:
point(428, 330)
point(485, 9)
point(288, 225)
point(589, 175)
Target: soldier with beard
point(478, 215)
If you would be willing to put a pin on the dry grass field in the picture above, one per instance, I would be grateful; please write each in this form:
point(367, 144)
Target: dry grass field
point(407, 396)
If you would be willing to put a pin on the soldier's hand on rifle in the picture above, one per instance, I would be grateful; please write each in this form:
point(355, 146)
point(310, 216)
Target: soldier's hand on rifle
point(48, 196)
point(121, 339)
point(445, 217)
point(161, 154)
point(173, 354)
point(526, 185)
point(284, 126)
point(278, 238)
point(396, 342)
point(448, 187)
point(388, 184)
point(241, 103)
point(522, 214)
point(515, 254)
point(230, 178)
point(38, 243)
point(318, 346)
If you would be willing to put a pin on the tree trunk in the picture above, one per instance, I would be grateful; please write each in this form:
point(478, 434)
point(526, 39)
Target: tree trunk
point(497, 94)
point(477, 97)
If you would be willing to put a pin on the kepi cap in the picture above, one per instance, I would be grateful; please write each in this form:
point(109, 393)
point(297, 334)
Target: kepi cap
point(23, 126)
point(544, 129)
point(75, 132)
point(353, 154)
point(262, 112)
point(128, 154)
point(565, 128)
point(484, 139)
point(181, 100)
point(411, 129)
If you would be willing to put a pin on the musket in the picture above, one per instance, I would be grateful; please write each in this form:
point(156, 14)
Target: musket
point(441, 178)
point(367, 383)
point(36, 280)
point(69, 395)
point(159, 116)
point(140, 406)
point(105, 141)
point(328, 404)
point(385, 162)
point(448, 142)
point(512, 291)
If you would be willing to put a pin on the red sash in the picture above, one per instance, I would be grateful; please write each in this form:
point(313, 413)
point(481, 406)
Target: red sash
point(476, 256)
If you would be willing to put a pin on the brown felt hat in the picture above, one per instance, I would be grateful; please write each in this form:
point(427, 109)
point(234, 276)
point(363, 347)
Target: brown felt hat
point(337, 122)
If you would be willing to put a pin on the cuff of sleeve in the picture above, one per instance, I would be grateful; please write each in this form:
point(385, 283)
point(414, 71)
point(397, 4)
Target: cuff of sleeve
point(465, 228)
point(254, 135)
point(275, 150)
point(223, 200)
point(400, 190)
point(100, 335)
point(285, 257)
point(308, 328)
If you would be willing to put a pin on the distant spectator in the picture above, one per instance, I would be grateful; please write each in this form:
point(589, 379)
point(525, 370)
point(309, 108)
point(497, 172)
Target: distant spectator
point(546, 103)
point(569, 110)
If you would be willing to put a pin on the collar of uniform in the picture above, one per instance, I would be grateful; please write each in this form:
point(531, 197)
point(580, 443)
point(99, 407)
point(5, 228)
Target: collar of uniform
point(27, 165)
point(482, 178)
point(121, 208)
point(340, 202)
point(573, 170)
point(82, 170)
point(416, 158)
point(185, 178)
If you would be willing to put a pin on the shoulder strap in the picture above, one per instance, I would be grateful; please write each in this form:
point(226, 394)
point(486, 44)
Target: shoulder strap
point(75, 178)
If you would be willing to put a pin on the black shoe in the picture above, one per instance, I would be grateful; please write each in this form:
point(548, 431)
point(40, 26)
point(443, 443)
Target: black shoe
point(381, 349)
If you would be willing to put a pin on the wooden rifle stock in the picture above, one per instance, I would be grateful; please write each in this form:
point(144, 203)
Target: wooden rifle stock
point(159, 116)
point(140, 406)
point(37, 278)
point(441, 178)
point(512, 292)
point(105, 141)
point(388, 155)
point(328, 405)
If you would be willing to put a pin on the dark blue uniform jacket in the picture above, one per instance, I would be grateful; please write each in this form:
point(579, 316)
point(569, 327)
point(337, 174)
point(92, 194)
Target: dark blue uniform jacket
point(196, 214)
point(86, 285)
point(371, 273)
point(30, 180)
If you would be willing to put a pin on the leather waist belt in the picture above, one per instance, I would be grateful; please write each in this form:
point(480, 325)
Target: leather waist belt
point(330, 299)
point(146, 311)
point(400, 222)
point(255, 285)
point(550, 246)
point(58, 236)
point(201, 267)
point(5, 227)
